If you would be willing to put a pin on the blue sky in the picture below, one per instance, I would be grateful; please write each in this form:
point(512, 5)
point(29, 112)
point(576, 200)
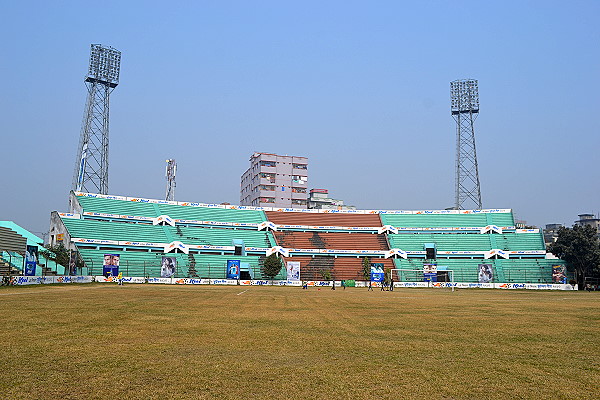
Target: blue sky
point(360, 88)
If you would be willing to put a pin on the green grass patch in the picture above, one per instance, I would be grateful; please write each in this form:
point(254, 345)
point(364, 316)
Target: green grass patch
point(154, 341)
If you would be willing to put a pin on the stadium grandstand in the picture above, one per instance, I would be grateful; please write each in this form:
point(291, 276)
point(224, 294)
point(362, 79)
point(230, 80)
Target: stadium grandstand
point(14, 243)
point(327, 243)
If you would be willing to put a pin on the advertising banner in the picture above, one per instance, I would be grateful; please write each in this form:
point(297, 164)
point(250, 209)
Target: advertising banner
point(160, 280)
point(72, 262)
point(509, 286)
point(430, 272)
point(168, 267)
point(377, 274)
point(233, 269)
point(293, 270)
point(559, 274)
point(111, 265)
point(486, 273)
point(31, 257)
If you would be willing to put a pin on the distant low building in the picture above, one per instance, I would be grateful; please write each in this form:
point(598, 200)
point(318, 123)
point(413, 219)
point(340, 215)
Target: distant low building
point(319, 199)
point(551, 233)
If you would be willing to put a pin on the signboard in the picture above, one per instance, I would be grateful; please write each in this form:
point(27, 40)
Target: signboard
point(486, 273)
point(559, 274)
point(111, 265)
point(377, 274)
point(430, 272)
point(31, 258)
point(233, 269)
point(293, 270)
point(168, 267)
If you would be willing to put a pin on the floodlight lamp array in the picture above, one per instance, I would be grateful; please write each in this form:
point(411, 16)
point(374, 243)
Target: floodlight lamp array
point(105, 65)
point(464, 96)
point(171, 169)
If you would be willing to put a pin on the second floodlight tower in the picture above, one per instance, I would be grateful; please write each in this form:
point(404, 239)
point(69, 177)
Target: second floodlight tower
point(464, 96)
point(91, 169)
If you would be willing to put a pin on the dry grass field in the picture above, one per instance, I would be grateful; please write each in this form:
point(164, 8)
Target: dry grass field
point(100, 341)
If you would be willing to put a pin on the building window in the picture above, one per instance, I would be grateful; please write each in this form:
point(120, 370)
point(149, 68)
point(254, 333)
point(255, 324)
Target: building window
point(299, 166)
point(299, 179)
point(298, 190)
point(299, 202)
point(270, 188)
point(267, 176)
point(267, 199)
point(267, 163)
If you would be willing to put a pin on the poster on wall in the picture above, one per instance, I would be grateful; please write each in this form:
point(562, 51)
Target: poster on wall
point(430, 272)
point(233, 269)
point(377, 274)
point(31, 258)
point(293, 270)
point(168, 267)
point(486, 273)
point(72, 262)
point(111, 265)
point(559, 274)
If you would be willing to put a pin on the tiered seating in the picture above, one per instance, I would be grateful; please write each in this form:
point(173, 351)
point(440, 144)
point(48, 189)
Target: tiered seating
point(313, 268)
point(331, 240)
point(340, 267)
point(506, 271)
point(468, 241)
point(464, 270)
point(137, 263)
point(102, 230)
point(212, 214)
point(218, 236)
point(520, 241)
point(444, 242)
point(323, 219)
point(123, 207)
point(447, 220)
point(527, 271)
point(119, 231)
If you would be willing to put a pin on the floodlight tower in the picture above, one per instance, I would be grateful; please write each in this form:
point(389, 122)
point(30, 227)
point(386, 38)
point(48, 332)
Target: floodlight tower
point(171, 171)
point(464, 96)
point(91, 165)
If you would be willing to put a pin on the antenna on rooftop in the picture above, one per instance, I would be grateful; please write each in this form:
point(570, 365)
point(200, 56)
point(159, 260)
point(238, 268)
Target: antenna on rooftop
point(171, 171)
point(91, 165)
point(464, 97)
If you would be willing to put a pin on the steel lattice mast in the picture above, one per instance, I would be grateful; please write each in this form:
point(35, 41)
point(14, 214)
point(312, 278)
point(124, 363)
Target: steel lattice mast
point(170, 174)
point(91, 169)
point(464, 96)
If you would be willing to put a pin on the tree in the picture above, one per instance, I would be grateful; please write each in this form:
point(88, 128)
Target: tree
point(272, 265)
point(387, 276)
point(366, 268)
point(580, 248)
point(326, 274)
